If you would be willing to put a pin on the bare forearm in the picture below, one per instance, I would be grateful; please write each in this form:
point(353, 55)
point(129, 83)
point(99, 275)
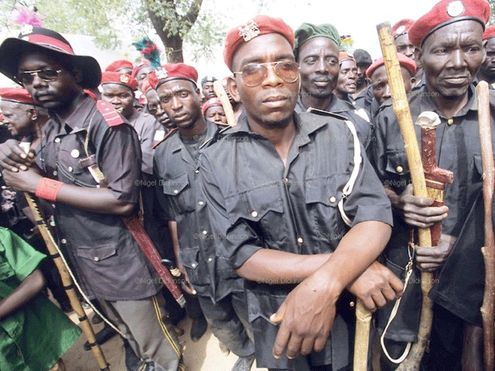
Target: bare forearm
point(98, 200)
point(279, 267)
point(26, 291)
point(355, 253)
point(172, 226)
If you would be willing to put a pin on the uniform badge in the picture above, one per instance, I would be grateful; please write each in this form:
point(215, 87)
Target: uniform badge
point(401, 30)
point(74, 153)
point(161, 74)
point(249, 31)
point(455, 8)
point(124, 78)
point(25, 31)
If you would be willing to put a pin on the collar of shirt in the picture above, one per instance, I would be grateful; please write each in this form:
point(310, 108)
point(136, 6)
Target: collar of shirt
point(211, 130)
point(77, 117)
point(303, 131)
point(427, 104)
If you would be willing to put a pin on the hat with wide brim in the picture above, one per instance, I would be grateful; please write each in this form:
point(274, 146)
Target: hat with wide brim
point(50, 42)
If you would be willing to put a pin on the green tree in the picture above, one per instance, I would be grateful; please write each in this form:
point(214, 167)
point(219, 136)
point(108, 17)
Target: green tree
point(492, 5)
point(174, 21)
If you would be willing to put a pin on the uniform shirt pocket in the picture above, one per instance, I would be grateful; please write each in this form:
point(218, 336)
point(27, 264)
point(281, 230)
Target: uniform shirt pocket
point(179, 192)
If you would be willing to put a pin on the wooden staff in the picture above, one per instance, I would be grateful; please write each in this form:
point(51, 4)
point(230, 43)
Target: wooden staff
point(224, 98)
point(362, 337)
point(401, 108)
point(67, 282)
point(488, 251)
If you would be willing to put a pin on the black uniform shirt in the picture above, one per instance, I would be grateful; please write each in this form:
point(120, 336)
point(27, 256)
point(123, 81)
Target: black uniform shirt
point(255, 202)
point(177, 171)
point(106, 258)
point(347, 110)
point(458, 150)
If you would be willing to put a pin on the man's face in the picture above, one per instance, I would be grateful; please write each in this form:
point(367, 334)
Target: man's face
point(155, 109)
point(181, 102)
point(404, 46)
point(18, 117)
point(216, 114)
point(347, 77)
point(121, 97)
point(451, 57)
point(55, 93)
point(319, 67)
point(379, 83)
point(361, 74)
point(141, 75)
point(271, 102)
point(488, 66)
point(208, 91)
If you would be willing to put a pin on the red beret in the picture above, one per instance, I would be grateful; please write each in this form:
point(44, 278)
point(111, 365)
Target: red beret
point(146, 87)
point(344, 56)
point(212, 102)
point(402, 27)
point(17, 95)
point(489, 32)
point(119, 64)
point(259, 25)
point(119, 78)
point(446, 12)
point(137, 67)
point(173, 71)
point(404, 61)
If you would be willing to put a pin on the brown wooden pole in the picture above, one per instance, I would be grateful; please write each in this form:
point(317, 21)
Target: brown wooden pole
point(224, 98)
point(67, 282)
point(362, 337)
point(401, 108)
point(488, 250)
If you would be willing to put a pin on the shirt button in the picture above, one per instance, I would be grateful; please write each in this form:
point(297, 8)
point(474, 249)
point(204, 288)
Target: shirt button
point(201, 203)
point(96, 259)
point(300, 240)
point(74, 153)
point(53, 206)
point(196, 171)
point(254, 213)
point(55, 173)
point(70, 169)
point(332, 199)
point(57, 140)
point(210, 260)
point(52, 223)
point(176, 191)
point(285, 180)
point(399, 169)
point(450, 121)
point(205, 232)
point(193, 265)
point(63, 241)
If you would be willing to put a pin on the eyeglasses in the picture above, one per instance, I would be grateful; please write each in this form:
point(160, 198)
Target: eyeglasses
point(253, 74)
point(45, 74)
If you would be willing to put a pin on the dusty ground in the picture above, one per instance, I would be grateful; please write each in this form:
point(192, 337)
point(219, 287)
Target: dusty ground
point(205, 355)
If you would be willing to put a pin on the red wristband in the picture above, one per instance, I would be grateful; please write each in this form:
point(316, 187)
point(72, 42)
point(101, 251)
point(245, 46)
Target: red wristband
point(47, 189)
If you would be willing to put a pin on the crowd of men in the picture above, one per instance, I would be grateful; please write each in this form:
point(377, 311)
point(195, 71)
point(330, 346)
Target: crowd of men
point(276, 223)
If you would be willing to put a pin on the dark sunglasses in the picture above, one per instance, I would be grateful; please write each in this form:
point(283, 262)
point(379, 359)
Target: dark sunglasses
point(45, 74)
point(253, 74)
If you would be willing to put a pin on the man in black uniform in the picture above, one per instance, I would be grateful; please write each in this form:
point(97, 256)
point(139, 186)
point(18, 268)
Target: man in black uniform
point(317, 52)
point(487, 70)
point(450, 38)
point(80, 136)
point(278, 189)
point(219, 289)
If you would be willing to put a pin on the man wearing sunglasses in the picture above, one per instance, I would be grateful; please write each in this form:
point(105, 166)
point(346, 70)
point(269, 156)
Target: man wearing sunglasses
point(317, 52)
point(82, 137)
point(279, 186)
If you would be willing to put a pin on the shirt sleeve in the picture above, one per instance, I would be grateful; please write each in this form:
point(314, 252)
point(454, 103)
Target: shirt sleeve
point(149, 127)
point(236, 240)
point(368, 201)
point(22, 257)
point(120, 161)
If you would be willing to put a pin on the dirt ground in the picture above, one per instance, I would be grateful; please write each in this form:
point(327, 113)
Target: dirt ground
point(204, 355)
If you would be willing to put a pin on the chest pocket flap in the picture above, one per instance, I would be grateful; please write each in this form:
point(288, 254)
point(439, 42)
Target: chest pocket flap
point(175, 186)
point(255, 203)
point(326, 190)
point(6, 271)
point(397, 163)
